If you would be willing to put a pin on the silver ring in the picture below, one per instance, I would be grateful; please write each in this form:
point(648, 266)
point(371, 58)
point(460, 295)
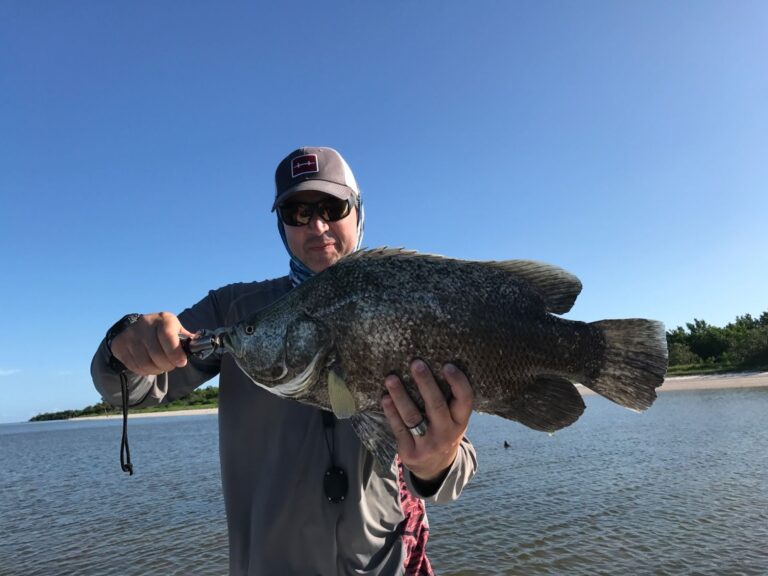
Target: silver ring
point(419, 429)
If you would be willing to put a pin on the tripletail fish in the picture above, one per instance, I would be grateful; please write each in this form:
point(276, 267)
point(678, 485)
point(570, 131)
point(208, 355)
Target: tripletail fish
point(331, 341)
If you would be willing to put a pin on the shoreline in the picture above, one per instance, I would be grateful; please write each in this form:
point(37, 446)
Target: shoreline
point(672, 384)
point(706, 382)
point(190, 412)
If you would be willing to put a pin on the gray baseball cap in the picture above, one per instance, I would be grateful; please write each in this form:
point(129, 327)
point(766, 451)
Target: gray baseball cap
point(320, 169)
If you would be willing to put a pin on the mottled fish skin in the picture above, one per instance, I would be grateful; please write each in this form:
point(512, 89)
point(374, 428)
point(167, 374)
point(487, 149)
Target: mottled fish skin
point(374, 311)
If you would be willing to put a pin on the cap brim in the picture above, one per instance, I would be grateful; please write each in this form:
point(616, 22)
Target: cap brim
point(331, 188)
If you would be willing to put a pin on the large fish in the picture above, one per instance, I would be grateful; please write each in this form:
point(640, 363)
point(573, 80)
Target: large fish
point(332, 341)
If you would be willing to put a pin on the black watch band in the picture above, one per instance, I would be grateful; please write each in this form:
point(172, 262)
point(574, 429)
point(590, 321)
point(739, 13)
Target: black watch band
point(116, 329)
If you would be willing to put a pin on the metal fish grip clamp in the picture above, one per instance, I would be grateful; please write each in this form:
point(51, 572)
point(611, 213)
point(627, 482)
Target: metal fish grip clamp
point(204, 344)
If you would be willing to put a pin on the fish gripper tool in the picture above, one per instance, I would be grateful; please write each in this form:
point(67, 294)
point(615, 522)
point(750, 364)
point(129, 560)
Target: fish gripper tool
point(204, 343)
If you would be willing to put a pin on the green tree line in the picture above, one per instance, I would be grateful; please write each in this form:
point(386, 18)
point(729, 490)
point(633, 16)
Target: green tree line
point(700, 347)
point(200, 398)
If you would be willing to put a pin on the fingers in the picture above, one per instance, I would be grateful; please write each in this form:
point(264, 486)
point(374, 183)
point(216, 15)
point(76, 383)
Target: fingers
point(463, 396)
point(151, 345)
point(184, 332)
point(167, 331)
point(403, 437)
point(406, 408)
point(428, 456)
point(439, 410)
point(434, 400)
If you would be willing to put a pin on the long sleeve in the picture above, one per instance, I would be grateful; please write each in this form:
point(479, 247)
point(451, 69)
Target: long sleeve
point(146, 390)
point(152, 390)
point(459, 474)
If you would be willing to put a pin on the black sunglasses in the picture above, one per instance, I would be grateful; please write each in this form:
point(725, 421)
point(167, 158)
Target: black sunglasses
point(329, 209)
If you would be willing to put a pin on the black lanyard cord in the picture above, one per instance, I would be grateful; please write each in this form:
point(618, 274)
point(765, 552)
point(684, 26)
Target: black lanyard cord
point(335, 483)
point(125, 451)
point(328, 425)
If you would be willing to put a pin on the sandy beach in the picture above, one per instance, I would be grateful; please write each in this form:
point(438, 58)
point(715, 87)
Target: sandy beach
point(707, 382)
point(131, 414)
point(715, 381)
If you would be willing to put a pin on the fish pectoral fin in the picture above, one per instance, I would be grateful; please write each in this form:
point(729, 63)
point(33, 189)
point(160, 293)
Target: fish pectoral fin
point(342, 401)
point(374, 432)
point(548, 403)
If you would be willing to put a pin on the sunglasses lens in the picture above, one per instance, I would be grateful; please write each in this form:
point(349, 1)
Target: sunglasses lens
point(303, 213)
point(333, 210)
point(288, 214)
point(300, 213)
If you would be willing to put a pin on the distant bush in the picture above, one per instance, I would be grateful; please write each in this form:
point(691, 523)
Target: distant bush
point(681, 355)
point(202, 397)
point(740, 345)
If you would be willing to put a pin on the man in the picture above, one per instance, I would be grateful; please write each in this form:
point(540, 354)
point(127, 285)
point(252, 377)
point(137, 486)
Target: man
point(300, 490)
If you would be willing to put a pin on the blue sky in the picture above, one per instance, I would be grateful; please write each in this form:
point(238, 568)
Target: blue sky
point(624, 141)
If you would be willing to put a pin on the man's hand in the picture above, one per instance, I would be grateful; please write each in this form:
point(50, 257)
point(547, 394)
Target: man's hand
point(429, 456)
point(151, 344)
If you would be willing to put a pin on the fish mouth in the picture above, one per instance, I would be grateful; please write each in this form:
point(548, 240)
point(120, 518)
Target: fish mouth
point(226, 341)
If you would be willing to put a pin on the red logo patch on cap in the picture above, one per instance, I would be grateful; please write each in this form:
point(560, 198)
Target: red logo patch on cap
point(304, 164)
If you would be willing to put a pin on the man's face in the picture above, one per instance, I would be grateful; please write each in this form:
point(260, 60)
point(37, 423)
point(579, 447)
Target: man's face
point(320, 244)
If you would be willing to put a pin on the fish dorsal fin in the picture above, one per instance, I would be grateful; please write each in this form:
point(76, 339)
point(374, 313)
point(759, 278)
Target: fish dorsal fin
point(384, 252)
point(342, 401)
point(557, 287)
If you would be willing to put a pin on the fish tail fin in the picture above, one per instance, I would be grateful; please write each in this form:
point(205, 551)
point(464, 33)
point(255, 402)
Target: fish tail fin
point(634, 363)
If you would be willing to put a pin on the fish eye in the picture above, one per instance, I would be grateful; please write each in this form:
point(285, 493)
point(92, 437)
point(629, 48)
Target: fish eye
point(249, 330)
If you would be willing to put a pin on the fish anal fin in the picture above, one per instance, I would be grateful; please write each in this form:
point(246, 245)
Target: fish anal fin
point(342, 401)
point(548, 403)
point(373, 430)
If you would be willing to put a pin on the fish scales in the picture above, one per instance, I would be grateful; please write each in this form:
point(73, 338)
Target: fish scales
point(415, 308)
point(331, 341)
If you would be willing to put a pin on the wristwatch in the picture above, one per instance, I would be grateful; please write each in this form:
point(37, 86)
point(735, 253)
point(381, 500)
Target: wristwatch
point(116, 329)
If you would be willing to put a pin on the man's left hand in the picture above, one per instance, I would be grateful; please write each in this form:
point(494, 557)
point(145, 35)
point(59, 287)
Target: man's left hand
point(429, 456)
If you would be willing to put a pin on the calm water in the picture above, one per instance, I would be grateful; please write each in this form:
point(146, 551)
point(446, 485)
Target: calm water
point(681, 489)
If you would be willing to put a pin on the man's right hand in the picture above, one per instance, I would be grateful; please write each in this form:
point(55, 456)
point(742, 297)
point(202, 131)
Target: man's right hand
point(151, 345)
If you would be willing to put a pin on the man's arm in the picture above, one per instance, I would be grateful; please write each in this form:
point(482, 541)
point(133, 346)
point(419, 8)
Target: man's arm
point(441, 462)
point(157, 367)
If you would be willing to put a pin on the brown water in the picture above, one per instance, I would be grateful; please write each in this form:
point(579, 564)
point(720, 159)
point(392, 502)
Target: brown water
point(680, 489)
